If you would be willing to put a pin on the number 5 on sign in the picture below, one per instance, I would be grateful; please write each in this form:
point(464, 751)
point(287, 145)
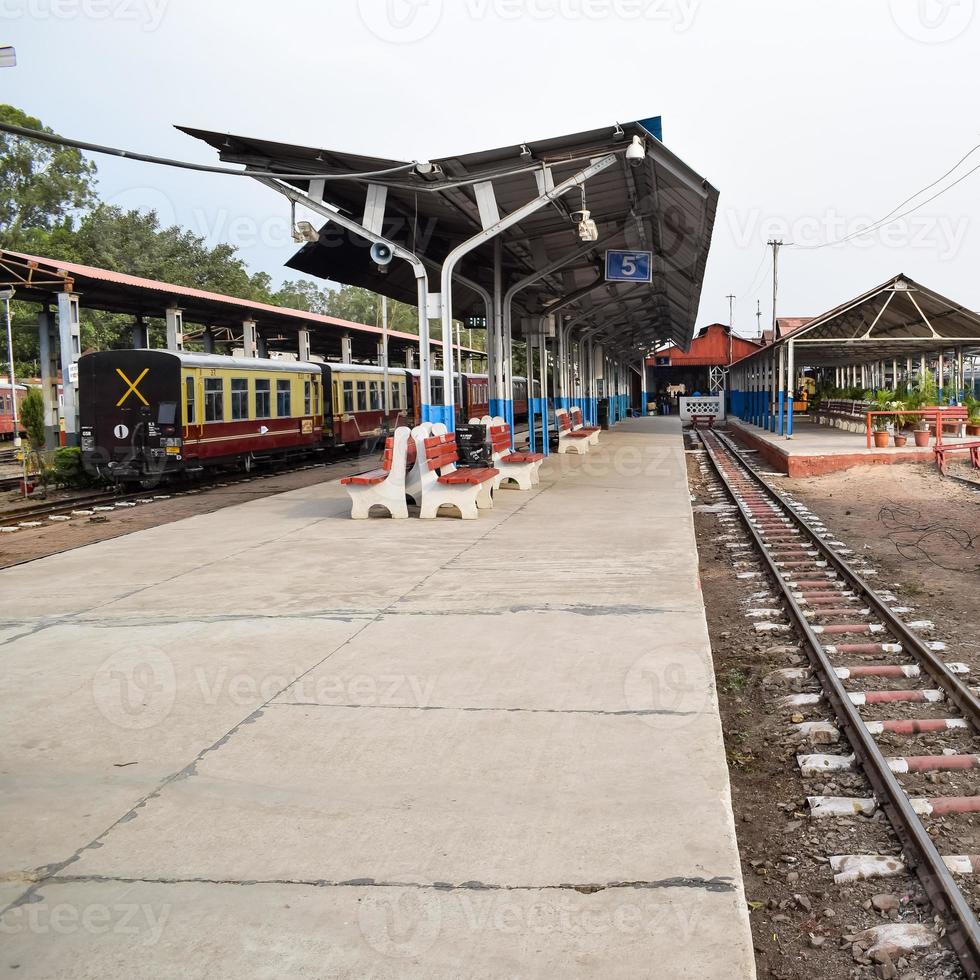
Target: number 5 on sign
point(623, 266)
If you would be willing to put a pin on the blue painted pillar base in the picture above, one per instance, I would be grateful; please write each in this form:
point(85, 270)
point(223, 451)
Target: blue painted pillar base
point(781, 414)
point(644, 401)
point(497, 407)
point(789, 416)
point(442, 413)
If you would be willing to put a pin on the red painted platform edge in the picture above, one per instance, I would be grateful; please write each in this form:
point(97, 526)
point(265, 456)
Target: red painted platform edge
point(799, 466)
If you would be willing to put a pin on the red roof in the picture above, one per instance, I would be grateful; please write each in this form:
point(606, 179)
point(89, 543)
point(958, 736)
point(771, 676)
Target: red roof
point(710, 348)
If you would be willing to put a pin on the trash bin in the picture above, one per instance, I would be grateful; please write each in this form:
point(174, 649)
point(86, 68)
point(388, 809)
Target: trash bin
point(473, 446)
point(603, 413)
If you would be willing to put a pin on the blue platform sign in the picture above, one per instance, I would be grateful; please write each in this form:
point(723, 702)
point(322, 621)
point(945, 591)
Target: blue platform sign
point(623, 266)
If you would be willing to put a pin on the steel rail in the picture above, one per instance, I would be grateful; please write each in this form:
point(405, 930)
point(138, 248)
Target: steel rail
point(963, 930)
point(958, 691)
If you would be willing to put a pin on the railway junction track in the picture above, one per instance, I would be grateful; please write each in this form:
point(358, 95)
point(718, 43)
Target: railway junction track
point(853, 634)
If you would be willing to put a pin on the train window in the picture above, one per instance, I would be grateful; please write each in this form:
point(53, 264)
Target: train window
point(396, 396)
point(282, 398)
point(167, 413)
point(375, 391)
point(348, 396)
point(438, 387)
point(214, 399)
point(307, 398)
point(361, 396)
point(262, 398)
point(239, 398)
point(189, 399)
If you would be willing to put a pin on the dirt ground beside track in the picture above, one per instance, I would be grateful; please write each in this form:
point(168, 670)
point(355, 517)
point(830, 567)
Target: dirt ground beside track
point(27, 544)
point(903, 519)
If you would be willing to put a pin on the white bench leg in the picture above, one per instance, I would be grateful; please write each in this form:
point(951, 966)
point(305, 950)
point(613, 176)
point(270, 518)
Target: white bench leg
point(594, 439)
point(484, 497)
point(462, 496)
point(520, 473)
point(360, 500)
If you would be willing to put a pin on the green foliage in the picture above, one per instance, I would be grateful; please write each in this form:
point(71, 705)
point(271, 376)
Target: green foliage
point(48, 206)
point(66, 467)
point(41, 186)
point(973, 408)
point(924, 394)
point(32, 415)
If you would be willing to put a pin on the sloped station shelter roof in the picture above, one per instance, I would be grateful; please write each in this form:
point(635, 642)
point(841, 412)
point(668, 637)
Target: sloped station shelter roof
point(887, 328)
point(39, 279)
point(513, 207)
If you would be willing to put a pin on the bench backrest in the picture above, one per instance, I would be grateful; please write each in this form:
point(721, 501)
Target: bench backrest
point(500, 438)
point(576, 414)
point(388, 453)
point(563, 419)
point(440, 451)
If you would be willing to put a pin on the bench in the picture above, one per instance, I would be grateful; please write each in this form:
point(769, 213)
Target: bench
point(956, 416)
point(569, 440)
point(384, 487)
point(521, 468)
point(844, 410)
point(942, 450)
point(442, 484)
point(579, 426)
point(708, 419)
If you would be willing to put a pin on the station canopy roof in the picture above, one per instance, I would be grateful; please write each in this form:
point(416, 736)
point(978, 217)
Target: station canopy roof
point(660, 205)
point(37, 279)
point(898, 319)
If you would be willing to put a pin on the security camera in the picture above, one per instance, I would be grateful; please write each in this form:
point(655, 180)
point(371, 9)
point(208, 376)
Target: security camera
point(635, 152)
point(587, 229)
point(303, 231)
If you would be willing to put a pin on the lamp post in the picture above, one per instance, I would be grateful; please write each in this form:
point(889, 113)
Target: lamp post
point(7, 295)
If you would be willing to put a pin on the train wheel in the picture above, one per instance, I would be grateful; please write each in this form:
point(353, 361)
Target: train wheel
point(248, 462)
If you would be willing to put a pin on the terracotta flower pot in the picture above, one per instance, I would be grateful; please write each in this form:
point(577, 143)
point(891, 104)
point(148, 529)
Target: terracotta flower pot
point(901, 439)
point(881, 439)
point(922, 437)
point(972, 430)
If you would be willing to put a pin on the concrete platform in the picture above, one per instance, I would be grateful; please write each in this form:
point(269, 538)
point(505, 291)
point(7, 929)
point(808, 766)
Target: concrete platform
point(270, 741)
point(818, 449)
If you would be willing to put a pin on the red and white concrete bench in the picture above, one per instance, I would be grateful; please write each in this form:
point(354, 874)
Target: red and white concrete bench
point(571, 440)
point(942, 451)
point(521, 468)
point(416, 463)
point(579, 426)
point(384, 487)
point(443, 484)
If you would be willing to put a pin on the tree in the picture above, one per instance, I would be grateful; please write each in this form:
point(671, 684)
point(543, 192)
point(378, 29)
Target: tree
point(32, 415)
point(41, 186)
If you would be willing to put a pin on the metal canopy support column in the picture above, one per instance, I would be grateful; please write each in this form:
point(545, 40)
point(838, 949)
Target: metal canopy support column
point(303, 344)
point(71, 349)
point(490, 233)
point(781, 392)
point(421, 276)
point(48, 349)
point(207, 340)
point(791, 380)
point(940, 375)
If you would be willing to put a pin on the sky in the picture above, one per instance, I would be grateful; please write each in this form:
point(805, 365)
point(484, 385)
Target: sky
point(811, 117)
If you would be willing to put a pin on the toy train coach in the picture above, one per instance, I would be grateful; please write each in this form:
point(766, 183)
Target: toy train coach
point(146, 414)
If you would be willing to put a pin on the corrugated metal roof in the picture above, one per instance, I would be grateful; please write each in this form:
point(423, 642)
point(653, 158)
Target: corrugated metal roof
point(200, 305)
point(662, 206)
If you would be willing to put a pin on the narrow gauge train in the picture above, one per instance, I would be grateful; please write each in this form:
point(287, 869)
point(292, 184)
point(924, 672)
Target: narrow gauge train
point(150, 414)
point(7, 410)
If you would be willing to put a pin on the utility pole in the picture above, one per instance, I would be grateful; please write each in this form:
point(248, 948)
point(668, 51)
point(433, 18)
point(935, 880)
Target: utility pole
point(776, 244)
point(758, 317)
point(731, 326)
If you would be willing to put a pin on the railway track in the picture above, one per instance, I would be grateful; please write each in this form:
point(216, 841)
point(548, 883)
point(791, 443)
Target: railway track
point(853, 637)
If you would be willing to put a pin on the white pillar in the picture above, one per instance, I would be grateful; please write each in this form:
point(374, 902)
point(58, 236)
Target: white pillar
point(303, 345)
point(175, 328)
point(71, 349)
point(346, 349)
point(250, 336)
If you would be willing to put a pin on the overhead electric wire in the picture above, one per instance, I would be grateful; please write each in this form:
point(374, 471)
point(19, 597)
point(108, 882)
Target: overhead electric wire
point(41, 136)
point(892, 216)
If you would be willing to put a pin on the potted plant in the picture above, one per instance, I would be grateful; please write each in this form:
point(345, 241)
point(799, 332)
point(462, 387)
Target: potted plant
point(973, 423)
point(921, 433)
point(880, 426)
